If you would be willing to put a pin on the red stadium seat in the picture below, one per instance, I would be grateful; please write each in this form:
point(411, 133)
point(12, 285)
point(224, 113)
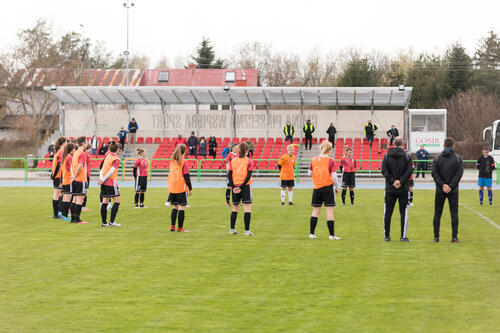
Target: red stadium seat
point(140, 140)
point(149, 140)
point(157, 140)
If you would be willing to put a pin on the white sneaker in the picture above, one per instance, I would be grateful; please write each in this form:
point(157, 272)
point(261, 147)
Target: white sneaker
point(333, 238)
point(312, 236)
point(249, 233)
point(233, 232)
point(114, 224)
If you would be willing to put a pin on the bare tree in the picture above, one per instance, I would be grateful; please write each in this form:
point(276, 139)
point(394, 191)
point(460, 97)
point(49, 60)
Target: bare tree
point(162, 63)
point(139, 61)
point(317, 71)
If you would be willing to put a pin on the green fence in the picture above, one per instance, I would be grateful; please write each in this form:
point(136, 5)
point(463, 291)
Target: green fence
point(199, 171)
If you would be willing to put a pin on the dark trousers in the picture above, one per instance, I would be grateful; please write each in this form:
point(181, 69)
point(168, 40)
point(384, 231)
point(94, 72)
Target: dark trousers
point(122, 143)
point(390, 203)
point(391, 140)
point(289, 138)
point(332, 141)
point(369, 138)
point(438, 211)
point(421, 166)
point(192, 152)
point(309, 138)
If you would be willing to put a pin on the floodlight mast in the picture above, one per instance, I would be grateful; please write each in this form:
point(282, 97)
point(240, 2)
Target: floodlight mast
point(127, 4)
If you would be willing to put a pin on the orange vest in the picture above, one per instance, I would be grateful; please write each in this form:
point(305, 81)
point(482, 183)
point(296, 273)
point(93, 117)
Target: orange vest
point(176, 181)
point(108, 163)
point(82, 174)
point(239, 165)
point(287, 163)
point(57, 156)
point(66, 174)
point(321, 172)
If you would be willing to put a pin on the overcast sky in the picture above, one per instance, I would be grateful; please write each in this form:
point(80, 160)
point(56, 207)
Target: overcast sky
point(174, 28)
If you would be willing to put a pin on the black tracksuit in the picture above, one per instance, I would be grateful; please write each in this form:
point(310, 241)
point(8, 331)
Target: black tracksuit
point(397, 165)
point(485, 165)
point(392, 133)
point(331, 131)
point(447, 169)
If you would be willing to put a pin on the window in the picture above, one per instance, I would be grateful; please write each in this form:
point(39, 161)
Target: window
point(427, 123)
point(418, 123)
point(230, 76)
point(225, 107)
point(163, 76)
point(214, 107)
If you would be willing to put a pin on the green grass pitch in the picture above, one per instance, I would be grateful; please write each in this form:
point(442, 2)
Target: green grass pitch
point(57, 277)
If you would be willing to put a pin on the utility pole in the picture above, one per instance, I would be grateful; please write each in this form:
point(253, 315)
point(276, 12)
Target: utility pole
point(127, 4)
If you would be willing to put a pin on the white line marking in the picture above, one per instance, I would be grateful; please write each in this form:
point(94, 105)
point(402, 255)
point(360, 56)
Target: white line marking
point(482, 216)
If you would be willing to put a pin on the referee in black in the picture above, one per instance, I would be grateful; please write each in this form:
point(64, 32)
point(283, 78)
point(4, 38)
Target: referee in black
point(447, 170)
point(397, 168)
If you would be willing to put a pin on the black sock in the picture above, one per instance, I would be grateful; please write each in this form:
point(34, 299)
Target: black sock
point(411, 197)
point(84, 201)
point(246, 218)
point(141, 196)
point(228, 195)
point(351, 194)
point(60, 204)
point(104, 212)
point(173, 216)
point(72, 210)
point(78, 211)
point(343, 196)
point(314, 221)
point(65, 208)
point(136, 199)
point(55, 207)
point(234, 215)
point(114, 211)
point(330, 227)
point(180, 219)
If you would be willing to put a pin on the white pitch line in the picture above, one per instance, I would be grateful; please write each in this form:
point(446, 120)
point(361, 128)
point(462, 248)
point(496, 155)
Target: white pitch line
point(482, 216)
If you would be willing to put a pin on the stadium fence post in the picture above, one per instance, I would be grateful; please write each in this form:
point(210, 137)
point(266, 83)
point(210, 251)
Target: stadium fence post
point(25, 170)
point(297, 171)
point(198, 162)
point(123, 169)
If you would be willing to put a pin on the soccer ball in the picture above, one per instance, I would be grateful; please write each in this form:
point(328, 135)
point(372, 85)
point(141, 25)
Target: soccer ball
point(167, 203)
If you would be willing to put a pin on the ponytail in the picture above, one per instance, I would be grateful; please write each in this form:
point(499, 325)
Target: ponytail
point(68, 150)
point(179, 152)
point(326, 146)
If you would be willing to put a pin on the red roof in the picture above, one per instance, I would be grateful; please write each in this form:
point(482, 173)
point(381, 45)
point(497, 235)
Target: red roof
point(200, 77)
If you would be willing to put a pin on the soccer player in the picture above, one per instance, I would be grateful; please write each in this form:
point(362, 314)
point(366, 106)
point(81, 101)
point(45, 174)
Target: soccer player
point(179, 186)
point(87, 161)
point(286, 165)
point(240, 180)
point(324, 176)
point(348, 166)
point(78, 180)
point(108, 179)
point(232, 154)
point(485, 164)
point(66, 180)
point(141, 167)
point(56, 177)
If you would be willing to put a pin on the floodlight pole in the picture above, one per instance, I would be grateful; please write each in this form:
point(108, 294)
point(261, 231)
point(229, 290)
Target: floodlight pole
point(62, 115)
point(127, 4)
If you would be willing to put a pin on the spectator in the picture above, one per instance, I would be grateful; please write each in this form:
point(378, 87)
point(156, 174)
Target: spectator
point(212, 146)
point(288, 130)
point(392, 133)
point(331, 131)
point(192, 144)
point(180, 140)
point(132, 129)
point(50, 150)
point(94, 144)
point(122, 135)
point(104, 149)
point(308, 132)
point(447, 170)
point(202, 149)
point(226, 150)
point(370, 132)
point(251, 148)
point(422, 154)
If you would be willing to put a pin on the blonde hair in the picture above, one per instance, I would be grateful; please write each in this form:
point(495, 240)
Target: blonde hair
point(326, 146)
point(179, 152)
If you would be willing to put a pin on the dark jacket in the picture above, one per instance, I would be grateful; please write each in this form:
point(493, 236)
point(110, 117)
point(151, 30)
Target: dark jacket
point(331, 131)
point(397, 165)
point(133, 127)
point(202, 150)
point(308, 129)
point(422, 155)
point(212, 145)
point(192, 141)
point(370, 129)
point(448, 169)
point(485, 165)
point(393, 132)
point(288, 130)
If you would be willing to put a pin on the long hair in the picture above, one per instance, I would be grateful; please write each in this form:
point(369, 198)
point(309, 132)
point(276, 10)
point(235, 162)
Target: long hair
point(346, 150)
point(326, 146)
point(80, 140)
point(179, 152)
point(59, 143)
point(243, 149)
point(68, 149)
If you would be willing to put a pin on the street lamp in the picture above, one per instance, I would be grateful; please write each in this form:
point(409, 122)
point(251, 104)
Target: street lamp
point(127, 4)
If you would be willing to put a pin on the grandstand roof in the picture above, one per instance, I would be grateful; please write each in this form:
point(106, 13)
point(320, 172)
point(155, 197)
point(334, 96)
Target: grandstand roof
point(342, 96)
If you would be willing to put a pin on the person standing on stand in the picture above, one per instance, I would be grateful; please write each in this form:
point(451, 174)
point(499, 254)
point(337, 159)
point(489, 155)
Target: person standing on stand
point(122, 135)
point(288, 130)
point(392, 133)
point(192, 144)
point(94, 144)
point(308, 132)
point(370, 129)
point(132, 130)
point(212, 147)
point(331, 131)
point(422, 155)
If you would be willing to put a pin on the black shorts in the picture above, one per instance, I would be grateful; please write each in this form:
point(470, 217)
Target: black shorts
point(287, 183)
point(245, 196)
point(324, 195)
point(78, 188)
point(109, 191)
point(411, 183)
point(348, 179)
point(66, 189)
point(180, 199)
point(57, 183)
point(141, 183)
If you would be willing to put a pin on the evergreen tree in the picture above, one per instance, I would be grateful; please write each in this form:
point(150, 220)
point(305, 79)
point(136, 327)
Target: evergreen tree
point(205, 57)
point(359, 72)
point(458, 70)
point(487, 64)
point(427, 77)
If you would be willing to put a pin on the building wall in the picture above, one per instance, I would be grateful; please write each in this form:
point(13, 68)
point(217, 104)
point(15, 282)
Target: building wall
point(249, 123)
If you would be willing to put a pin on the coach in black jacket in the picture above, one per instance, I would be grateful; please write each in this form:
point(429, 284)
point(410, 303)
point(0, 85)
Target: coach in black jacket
point(447, 170)
point(397, 167)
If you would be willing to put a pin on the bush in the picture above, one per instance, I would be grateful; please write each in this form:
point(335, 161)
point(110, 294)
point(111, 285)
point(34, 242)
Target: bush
point(19, 164)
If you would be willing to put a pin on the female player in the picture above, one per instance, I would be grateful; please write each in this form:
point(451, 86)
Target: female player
point(141, 167)
point(56, 176)
point(66, 179)
point(324, 176)
point(108, 179)
point(286, 165)
point(232, 154)
point(78, 179)
point(179, 185)
point(348, 166)
point(89, 168)
point(240, 180)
